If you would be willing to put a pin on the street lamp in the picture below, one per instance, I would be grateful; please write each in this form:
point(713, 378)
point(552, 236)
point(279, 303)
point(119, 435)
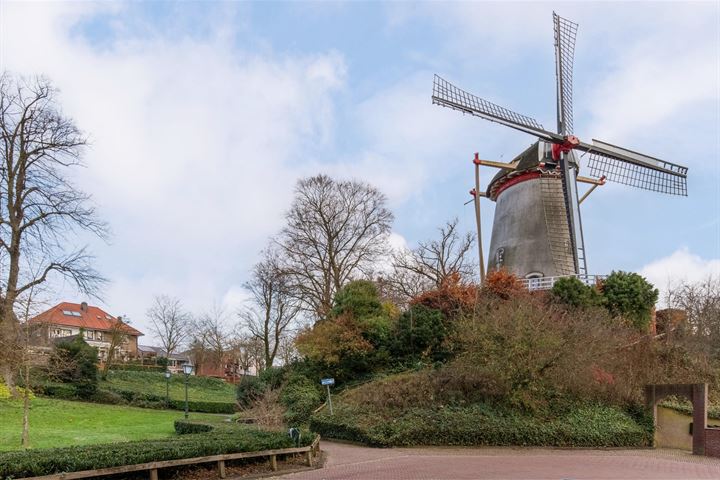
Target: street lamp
point(167, 387)
point(187, 369)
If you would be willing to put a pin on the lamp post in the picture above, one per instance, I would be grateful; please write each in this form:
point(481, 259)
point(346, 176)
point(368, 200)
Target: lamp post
point(187, 369)
point(167, 387)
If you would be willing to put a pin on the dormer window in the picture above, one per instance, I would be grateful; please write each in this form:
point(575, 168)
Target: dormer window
point(71, 313)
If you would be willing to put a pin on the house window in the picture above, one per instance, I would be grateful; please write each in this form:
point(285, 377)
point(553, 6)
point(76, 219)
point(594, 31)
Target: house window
point(88, 335)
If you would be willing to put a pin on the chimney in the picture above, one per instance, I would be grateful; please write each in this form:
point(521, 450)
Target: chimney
point(83, 307)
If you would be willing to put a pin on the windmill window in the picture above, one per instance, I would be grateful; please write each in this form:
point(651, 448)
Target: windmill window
point(499, 257)
point(532, 275)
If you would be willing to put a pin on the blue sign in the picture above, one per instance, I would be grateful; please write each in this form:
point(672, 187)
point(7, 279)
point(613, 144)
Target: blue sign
point(327, 381)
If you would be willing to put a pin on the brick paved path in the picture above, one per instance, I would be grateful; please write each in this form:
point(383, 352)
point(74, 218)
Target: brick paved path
point(353, 462)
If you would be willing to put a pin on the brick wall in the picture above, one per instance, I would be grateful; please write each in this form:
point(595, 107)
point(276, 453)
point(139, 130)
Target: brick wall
point(712, 442)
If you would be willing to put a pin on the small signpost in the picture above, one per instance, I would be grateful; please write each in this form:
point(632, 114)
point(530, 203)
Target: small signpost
point(327, 382)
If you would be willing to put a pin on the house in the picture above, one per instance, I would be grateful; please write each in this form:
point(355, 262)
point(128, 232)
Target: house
point(68, 319)
point(175, 361)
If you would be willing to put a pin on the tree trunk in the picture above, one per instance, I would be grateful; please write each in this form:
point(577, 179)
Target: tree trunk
point(26, 409)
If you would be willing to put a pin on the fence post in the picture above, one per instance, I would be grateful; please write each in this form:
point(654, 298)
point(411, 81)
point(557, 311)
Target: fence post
point(221, 467)
point(308, 458)
point(273, 462)
point(153, 474)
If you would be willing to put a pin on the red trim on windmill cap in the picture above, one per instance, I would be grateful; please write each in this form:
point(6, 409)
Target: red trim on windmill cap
point(531, 175)
point(476, 160)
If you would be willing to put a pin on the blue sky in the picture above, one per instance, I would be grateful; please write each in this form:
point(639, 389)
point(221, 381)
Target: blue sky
point(202, 116)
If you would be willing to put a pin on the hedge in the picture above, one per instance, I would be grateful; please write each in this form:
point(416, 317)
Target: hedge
point(588, 426)
point(685, 407)
point(137, 399)
point(137, 368)
point(30, 463)
point(183, 427)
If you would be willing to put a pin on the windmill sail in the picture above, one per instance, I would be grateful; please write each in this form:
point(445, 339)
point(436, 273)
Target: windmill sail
point(565, 33)
point(624, 166)
point(448, 95)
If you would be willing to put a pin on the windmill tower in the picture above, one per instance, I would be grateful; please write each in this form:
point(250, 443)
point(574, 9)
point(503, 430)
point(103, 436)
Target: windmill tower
point(537, 230)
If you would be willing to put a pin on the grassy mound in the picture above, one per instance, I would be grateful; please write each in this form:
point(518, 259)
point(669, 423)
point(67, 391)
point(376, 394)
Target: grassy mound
point(481, 424)
point(200, 389)
point(424, 408)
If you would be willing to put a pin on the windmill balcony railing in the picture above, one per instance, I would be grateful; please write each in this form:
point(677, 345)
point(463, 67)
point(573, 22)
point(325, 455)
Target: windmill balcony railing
point(546, 283)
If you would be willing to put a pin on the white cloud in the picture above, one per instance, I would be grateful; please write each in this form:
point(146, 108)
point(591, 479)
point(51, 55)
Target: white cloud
point(195, 144)
point(681, 265)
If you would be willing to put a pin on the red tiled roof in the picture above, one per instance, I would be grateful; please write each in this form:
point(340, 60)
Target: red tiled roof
point(94, 318)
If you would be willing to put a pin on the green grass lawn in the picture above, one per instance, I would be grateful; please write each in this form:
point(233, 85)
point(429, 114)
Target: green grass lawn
point(61, 423)
point(202, 389)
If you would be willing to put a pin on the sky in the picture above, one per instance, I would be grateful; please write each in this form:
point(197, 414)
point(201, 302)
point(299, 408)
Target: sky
point(202, 116)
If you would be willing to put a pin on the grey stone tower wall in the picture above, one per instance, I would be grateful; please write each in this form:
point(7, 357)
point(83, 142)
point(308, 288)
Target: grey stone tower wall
point(530, 235)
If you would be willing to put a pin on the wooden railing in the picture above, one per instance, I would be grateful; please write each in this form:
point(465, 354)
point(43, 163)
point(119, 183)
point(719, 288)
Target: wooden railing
point(311, 453)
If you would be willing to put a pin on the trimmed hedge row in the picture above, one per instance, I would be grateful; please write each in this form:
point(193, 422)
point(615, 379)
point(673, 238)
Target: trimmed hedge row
point(137, 368)
point(30, 463)
point(137, 399)
point(589, 426)
point(183, 427)
point(685, 407)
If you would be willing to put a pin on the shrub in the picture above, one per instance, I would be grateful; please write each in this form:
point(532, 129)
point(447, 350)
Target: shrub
point(273, 377)
point(503, 284)
point(6, 394)
point(359, 299)
point(631, 296)
point(183, 427)
point(30, 463)
point(573, 292)
point(250, 389)
point(452, 298)
point(420, 332)
point(75, 362)
point(300, 397)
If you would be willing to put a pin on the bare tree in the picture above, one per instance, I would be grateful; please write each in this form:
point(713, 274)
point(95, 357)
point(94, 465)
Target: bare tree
point(210, 337)
point(170, 322)
point(427, 266)
point(117, 335)
point(39, 207)
point(335, 231)
point(273, 307)
point(700, 304)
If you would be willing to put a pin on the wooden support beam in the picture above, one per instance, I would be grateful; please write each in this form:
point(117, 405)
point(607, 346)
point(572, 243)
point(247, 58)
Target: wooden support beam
point(221, 468)
point(308, 458)
point(591, 181)
point(153, 474)
point(490, 163)
point(273, 462)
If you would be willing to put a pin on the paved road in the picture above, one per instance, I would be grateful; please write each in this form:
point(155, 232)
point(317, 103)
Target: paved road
point(353, 462)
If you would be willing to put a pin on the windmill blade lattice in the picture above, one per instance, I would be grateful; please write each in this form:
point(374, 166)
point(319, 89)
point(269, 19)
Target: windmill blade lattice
point(448, 95)
point(620, 171)
point(565, 34)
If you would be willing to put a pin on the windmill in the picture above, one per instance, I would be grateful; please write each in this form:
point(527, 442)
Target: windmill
point(537, 230)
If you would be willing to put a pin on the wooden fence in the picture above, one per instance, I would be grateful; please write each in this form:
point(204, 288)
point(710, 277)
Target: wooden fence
point(311, 452)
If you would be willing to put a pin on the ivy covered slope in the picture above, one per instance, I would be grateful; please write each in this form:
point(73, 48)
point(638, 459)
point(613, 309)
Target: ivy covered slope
point(498, 366)
point(437, 422)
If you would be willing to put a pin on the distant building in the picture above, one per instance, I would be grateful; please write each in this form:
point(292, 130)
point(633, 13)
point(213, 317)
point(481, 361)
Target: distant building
point(175, 361)
point(68, 319)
